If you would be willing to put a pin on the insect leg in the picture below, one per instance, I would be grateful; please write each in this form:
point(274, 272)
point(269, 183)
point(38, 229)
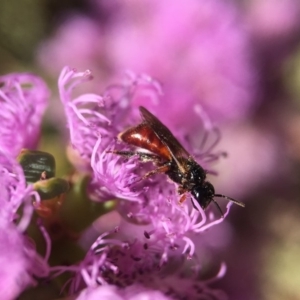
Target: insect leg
point(182, 198)
point(143, 156)
point(162, 169)
point(182, 192)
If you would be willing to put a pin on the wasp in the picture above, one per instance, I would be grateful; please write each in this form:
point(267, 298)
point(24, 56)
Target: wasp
point(171, 158)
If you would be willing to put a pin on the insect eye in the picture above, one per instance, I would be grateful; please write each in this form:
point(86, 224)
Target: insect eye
point(203, 195)
point(210, 190)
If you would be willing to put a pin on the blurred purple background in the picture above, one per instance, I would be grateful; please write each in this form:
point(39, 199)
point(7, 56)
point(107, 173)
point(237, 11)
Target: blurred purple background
point(238, 60)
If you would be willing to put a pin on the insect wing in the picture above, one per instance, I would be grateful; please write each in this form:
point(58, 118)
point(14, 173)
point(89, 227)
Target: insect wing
point(165, 135)
point(143, 136)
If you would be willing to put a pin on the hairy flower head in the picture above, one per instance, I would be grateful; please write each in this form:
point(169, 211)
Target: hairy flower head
point(168, 230)
point(23, 99)
point(20, 263)
point(129, 269)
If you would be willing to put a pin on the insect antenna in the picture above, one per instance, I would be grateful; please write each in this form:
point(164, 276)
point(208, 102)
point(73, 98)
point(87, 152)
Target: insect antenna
point(230, 199)
point(219, 208)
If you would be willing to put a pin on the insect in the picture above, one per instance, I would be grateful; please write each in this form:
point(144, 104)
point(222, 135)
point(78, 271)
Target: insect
point(169, 157)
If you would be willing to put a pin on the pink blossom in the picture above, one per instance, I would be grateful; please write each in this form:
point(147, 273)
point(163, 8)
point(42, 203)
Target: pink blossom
point(127, 270)
point(111, 292)
point(20, 263)
point(199, 50)
point(23, 99)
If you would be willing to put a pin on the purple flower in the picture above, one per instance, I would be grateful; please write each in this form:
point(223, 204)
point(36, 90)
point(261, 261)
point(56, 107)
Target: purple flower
point(23, 99)
point(14, 192)
point(85, 124)
point(131, 269)
point(112, 178)
point(166, 230)
point(20, 263)
point(159, 258)
point(90, 116)
point(108, 292)
point(180, 46)
point(80, 32)
point(177, 43)
point(93, 133)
